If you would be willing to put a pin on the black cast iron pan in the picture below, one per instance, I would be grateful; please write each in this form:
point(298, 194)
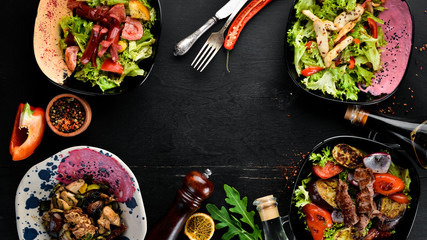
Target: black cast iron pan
point(399, 157)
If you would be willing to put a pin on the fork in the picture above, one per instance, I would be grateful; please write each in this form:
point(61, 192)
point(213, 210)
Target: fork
point(214, 43)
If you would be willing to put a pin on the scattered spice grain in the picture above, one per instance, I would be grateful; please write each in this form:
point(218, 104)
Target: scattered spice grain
point(67, 114)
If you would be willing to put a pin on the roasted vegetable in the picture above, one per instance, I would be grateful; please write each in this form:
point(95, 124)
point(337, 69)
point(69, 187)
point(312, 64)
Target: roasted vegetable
point(329, 170)
point(323, 193)
point(138, 10)
point(387, 184)
point(344, 234)
point(378, 162)
point(318, 220)
point(347, 155)
point(392, 212)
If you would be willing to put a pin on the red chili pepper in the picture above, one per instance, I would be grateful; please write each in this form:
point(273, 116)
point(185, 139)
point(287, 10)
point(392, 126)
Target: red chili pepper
point(110, 66)
point(351, 63)
point(373, 27)
point(356, 41)
point(27, 131)
point(318, 220)
point(311, 70)
point(244, 16)
point(309, 44)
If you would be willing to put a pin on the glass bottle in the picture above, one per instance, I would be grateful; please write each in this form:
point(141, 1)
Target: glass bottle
point(196, 188)
point(411, 134)
point(271, 221)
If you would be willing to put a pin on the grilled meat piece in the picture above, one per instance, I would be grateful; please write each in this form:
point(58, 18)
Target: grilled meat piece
point(365, 200)
point(346, 204)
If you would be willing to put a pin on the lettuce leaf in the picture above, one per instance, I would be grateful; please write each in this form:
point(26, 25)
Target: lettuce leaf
point(321, 159)
point(79, 27)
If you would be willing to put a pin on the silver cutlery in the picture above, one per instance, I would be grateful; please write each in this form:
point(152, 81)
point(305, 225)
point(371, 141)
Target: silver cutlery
point(185, 44)
point(214, 42)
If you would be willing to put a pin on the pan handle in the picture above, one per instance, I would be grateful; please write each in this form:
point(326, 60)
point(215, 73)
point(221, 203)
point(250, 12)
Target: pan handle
point(373, 136)
point(287, 227)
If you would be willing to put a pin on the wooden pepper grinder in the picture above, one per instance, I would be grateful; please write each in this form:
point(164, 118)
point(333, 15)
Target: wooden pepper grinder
point(197, 187)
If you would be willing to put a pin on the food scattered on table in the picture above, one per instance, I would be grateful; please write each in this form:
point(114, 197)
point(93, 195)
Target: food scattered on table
point(27, 131)
point(82, 210)
point(100, 42)
point(199, 226)
point(239, 207)
point(367, 197)
point(343, 47)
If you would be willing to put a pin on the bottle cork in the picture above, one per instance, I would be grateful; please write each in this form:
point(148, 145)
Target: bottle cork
point(267, 208)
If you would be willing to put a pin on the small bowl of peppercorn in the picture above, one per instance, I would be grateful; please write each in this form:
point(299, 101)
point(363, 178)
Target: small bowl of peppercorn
point(68, 115)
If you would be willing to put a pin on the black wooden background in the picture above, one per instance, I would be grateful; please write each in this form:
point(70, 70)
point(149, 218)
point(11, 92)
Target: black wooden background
point(249, 126)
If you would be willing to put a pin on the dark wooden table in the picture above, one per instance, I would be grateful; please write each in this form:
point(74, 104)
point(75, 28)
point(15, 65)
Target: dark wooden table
point(249, 126)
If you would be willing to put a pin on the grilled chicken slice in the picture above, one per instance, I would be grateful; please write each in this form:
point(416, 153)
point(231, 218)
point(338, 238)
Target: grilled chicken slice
point(328, 24)
point(346, 17)
point(321, 37)
point(346, 29)
point(337, 49)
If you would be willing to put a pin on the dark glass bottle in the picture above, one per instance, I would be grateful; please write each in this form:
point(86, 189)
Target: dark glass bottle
point(272, 224)
point(409, 133)
point(197, 187)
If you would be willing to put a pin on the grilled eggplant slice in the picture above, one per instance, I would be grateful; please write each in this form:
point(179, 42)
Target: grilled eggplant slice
point(348, 156)
point(323, 192)
point(343, 234)
point(392, 212)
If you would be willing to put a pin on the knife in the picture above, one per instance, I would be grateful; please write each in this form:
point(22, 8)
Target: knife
point(185, 44)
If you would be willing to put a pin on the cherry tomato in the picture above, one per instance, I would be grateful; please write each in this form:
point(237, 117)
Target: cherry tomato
point(387, 184)
point(311, 70)
point(318, 220)
point(400, 198)
point(329, 170)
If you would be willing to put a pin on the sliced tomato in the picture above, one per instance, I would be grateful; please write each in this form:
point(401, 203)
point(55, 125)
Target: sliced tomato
point(311, 70)
point(329, 170)
point(373, 27)
point(318, 220)
point(387, 184)
point(27, 131)
point(400, 198)
point(110, 66)
point(352, 63)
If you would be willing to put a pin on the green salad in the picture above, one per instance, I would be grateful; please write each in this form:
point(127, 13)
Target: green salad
point(104, 40)
point(336, 45)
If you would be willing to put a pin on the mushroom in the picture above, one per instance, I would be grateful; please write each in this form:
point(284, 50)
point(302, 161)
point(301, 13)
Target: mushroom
point(75, 186)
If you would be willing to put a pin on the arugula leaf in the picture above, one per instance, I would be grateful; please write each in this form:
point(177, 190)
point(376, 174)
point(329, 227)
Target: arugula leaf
point(234, 225)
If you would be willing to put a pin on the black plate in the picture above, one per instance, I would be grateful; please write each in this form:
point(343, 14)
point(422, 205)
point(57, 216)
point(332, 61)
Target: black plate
point(129, 83)
point(399, 157)
point(363, 98)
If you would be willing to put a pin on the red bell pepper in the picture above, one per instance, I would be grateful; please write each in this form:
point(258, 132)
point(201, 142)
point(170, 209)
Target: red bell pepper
point(400, 198)
point(311, 70)
point(352, 63)
point(318, 220)
point(27, 131)
point(308, 44)
point(356, 41)
point(373, 27)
